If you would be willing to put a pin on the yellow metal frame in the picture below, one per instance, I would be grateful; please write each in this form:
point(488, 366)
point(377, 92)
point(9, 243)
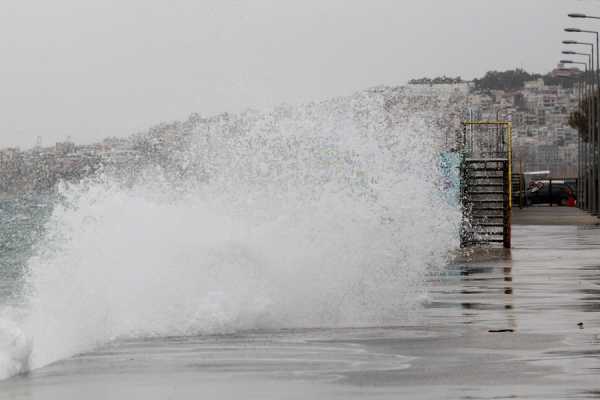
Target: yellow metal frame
point(508, 125)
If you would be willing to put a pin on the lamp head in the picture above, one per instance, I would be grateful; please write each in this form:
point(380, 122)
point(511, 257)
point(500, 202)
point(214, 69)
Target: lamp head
point(568, 52)
point(572, 30)
point(577, 15)
point(570, 42)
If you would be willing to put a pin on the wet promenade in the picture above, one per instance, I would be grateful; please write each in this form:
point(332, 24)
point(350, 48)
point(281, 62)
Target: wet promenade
point(523, 324)
point(531, 322)
point(544, 215)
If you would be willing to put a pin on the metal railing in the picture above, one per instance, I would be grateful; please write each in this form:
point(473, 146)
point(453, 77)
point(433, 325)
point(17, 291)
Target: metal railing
point(486, 182)
point(482, 139)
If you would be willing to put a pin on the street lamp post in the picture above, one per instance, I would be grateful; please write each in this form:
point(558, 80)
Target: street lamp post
point(577, 15)
point(585, 178)
point(587, 150)
point(595, 138)
point(578, 84)
point(579, 141)
point(577, 30)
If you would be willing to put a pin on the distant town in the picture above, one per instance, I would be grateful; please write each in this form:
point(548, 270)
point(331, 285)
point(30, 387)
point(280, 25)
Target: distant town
point(540, 110)
point(539, 107)
point(39, 169)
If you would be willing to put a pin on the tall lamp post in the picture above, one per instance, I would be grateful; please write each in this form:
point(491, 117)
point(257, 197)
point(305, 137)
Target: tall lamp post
point(595, 209)
point(579, 81)
point(585, 175)
point(578, 15)
point(579, 141)
point(575, 53)
point(584, 201)
point(577, 42)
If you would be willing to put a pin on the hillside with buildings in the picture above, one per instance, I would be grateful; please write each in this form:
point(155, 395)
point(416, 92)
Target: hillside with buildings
point(539, 107)
point(182, 151)
point(539, 110)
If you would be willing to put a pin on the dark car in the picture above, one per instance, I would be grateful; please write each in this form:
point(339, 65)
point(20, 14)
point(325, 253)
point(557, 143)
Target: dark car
point(551, 192)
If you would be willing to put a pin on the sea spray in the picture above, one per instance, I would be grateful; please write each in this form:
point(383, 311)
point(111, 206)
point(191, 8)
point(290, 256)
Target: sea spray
point(327, 214)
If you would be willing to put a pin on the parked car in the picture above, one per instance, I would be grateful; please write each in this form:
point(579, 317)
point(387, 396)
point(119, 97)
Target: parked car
point(551, 192)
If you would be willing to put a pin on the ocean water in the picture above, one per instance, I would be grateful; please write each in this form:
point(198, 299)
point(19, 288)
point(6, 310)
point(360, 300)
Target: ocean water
point(326, 215)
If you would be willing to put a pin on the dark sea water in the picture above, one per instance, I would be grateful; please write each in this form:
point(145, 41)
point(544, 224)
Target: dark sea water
point(21, 227)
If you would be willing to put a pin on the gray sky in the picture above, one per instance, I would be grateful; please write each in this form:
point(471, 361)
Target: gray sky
point(95, 68)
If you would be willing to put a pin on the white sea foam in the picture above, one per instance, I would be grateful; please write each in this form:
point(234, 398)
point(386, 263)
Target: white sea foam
point(15, 349)
point(323, 215)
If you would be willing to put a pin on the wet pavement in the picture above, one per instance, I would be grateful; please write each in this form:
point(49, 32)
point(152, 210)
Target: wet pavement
point(518, 324)
point(546, 215)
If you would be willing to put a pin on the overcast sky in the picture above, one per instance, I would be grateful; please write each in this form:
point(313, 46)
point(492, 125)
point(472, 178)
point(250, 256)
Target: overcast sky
point(88, 69)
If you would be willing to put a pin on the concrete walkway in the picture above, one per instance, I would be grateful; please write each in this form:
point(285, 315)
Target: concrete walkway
point(545, 215)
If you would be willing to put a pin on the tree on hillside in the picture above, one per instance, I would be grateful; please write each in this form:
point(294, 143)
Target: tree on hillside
point(580, 118)
point(436, 81)
point(504, 80)
point(565, 82)
point(512, 80)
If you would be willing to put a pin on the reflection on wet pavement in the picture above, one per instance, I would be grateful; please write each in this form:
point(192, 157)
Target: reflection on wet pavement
point(549, 284)
point(518, 324)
